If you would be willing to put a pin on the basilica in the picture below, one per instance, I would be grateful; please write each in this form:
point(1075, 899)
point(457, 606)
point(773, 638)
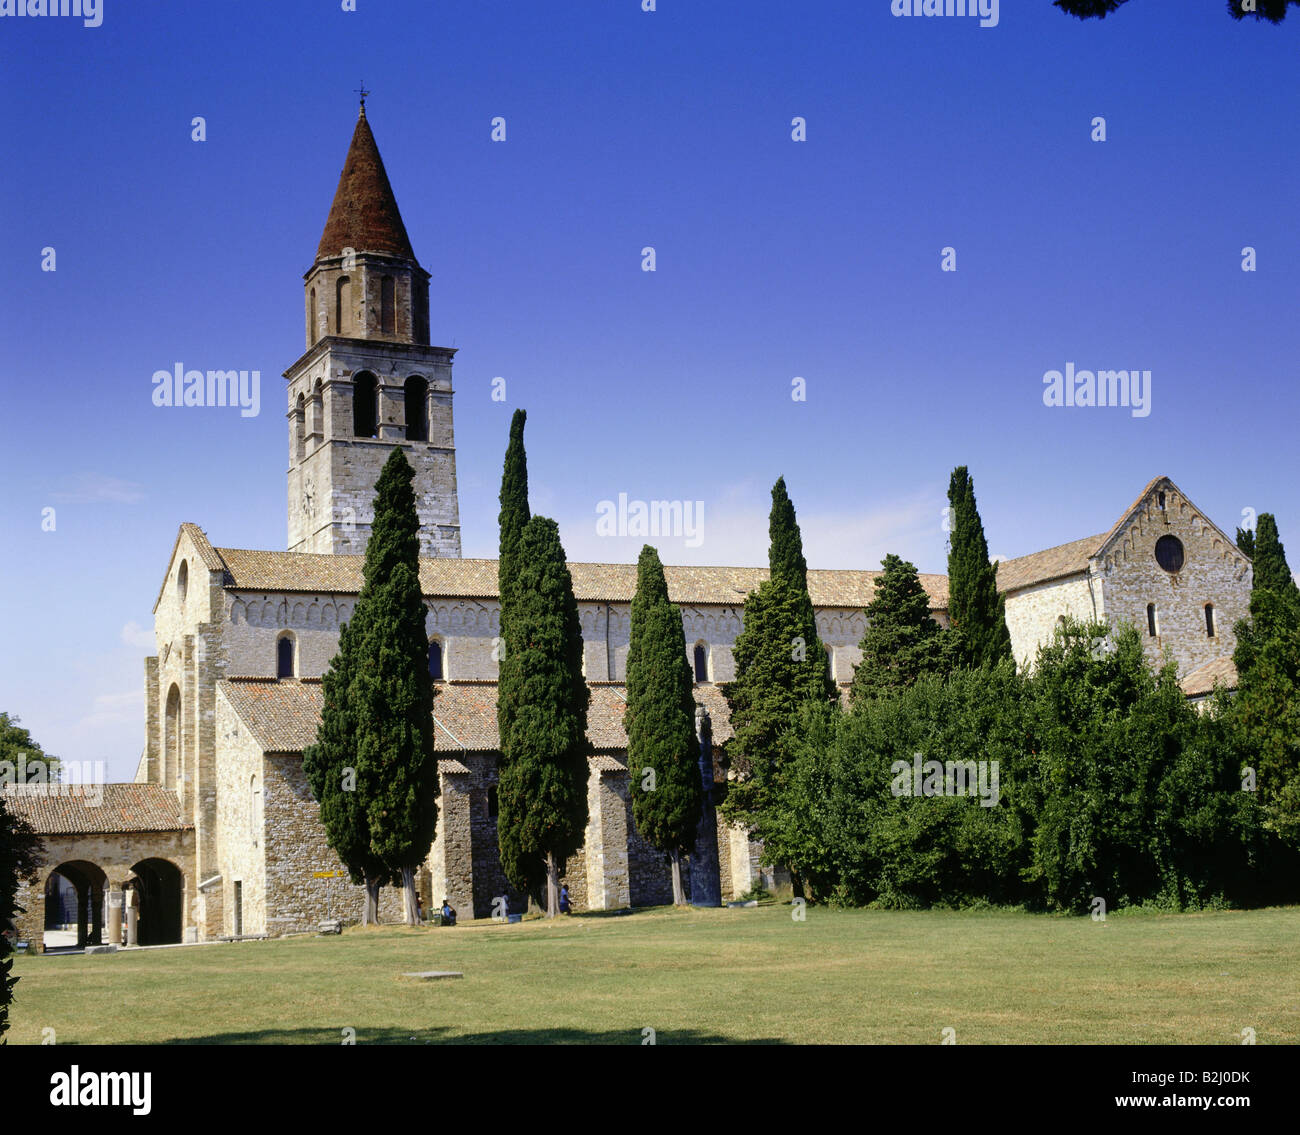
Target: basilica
point(219, 836)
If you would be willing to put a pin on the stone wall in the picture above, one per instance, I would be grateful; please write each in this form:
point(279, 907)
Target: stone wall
point(1033, 613)
point(115, 855)
point(332, 472)
point(242, 832)
point(1213, 572)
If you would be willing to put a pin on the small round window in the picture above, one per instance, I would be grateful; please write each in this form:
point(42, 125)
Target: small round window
point(1169, 553)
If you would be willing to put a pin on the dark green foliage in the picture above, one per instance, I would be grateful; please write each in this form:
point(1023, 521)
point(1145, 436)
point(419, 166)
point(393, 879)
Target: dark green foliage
point(1264, 718)
point(1274, 11)
point(383, 703)
point(330, 768)
point(660, 718)
point(860, 836)
point(1246, 542)
point(542, 793)
point(785, 544)
point(514, 515)
point(18, 748)
point(1109, 785)
point(20, 851)
point(976, 610)
point(780, 665)
point(902, 642)
point(1271, 571)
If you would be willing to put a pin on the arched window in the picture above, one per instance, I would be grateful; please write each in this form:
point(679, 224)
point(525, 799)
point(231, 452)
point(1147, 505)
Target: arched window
point(172, 739)
point(284, 657)
point(300, 427)
point(365, 417)
point(830, 658)
point(701, 662)
point(343, 306)
point(435, 659)
point(182, 580)
point(1151, 619)
point(387, 306)
point(492, 802)
point(317, 411)
point(1209, 620)
point(311, 317)
point(417, 409)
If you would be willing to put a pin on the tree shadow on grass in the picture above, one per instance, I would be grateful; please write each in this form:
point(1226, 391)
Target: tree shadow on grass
point(309, 1036)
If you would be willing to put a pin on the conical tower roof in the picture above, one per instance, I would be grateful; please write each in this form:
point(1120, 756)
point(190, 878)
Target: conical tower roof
point(364, 216)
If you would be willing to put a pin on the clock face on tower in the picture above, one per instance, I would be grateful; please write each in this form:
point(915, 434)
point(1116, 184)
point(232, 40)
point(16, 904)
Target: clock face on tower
point(308, 497)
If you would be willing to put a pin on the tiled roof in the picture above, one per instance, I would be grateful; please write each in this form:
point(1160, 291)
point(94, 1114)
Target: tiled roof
point(282, 714)
point(364, 215)
point(1053, 563)
point(92, 809)
point(1202, 680)
point(252, 570)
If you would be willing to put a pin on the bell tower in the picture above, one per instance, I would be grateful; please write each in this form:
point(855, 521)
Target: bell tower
point(369, 380)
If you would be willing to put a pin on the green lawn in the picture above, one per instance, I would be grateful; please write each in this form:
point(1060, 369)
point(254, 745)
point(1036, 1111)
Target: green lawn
point(743, 975)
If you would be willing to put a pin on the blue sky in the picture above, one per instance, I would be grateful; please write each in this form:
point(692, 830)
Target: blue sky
point(775, 259)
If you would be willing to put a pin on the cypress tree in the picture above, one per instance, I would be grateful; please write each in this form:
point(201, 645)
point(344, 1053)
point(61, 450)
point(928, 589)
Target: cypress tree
point(780, 666)
point(976, 610)
point(785, 543)
point(1271, 570)
point(330, 768)
point(542, 793)
point(660, 721)
point(1246, 542)
point(902, 642)
point(386, 705)
point(513, 517)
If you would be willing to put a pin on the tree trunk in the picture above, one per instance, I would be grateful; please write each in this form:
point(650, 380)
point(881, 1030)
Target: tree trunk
point(796, 884)
point(679, 898)
point(408, 896)
point(552, 886)
point(371, 912)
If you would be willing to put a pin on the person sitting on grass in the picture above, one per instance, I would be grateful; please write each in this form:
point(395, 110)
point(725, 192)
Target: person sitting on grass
point(565, 906)
point(448, 914)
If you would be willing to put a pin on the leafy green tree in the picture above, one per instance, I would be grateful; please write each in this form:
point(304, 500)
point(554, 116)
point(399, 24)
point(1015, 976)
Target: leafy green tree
point(542, 792)
point(663, 772)
point(976, 610)
point(860, 832)
point(1274, 11)
point(902, 642)
point(1246, 542)
point(1122, 790)
point(20, 851)
point(780, 665)
point(22, 760)
point(388, 699)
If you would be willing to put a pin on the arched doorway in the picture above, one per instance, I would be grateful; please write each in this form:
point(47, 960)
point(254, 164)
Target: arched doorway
point(74, 906)
point(159, 885)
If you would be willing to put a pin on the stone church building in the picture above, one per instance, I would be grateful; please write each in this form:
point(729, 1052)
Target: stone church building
point(219, 835)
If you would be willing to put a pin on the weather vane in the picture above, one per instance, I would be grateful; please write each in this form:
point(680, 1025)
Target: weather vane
point(363, 92)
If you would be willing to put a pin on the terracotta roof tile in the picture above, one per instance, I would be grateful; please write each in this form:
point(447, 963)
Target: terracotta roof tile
point(1203, 679)
point(282, 714)
point(364, 215)
point(92, 809)
point(1052, 563)
point(253, 570)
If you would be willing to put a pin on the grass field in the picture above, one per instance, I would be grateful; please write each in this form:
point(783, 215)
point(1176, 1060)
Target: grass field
point(734, 975)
